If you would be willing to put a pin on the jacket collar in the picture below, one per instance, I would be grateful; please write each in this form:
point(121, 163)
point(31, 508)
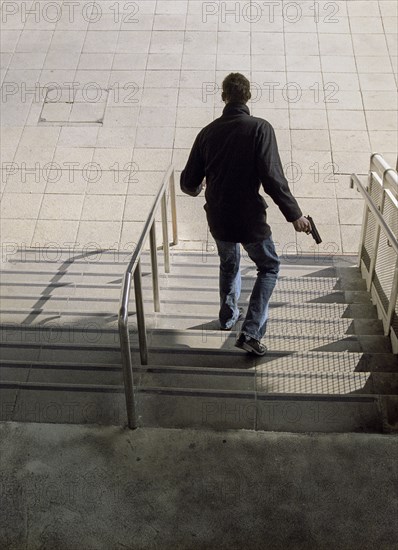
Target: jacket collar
point(236, 109)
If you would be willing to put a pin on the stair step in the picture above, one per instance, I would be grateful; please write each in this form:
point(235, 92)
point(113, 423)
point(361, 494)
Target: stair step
point(178, 252)
point(197, 282)
point(271, 381)
point(304, 265)
point(204, 409)
point(103, 302)
point(316, 362)
point(110, 353)
point(290, 327)
point(36, 385)
point(194, 344)
point(350, 278)
point(178, 266)
point(105, 283)
point(63, 404)
point(311, 342)
point(38, 263)
point(194, 408)
point(83, 296)
point(70, 275)
point(327, 383)
point(178, 318)
point(65, 373)
point(309, 361)
point(188, 377)
point(293, 265)
point(95, 332)
point(278, 310)
point(60, 352)
point(11, 278)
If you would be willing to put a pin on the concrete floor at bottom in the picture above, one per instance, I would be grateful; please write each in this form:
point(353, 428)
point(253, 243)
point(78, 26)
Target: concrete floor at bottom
point(74, 487)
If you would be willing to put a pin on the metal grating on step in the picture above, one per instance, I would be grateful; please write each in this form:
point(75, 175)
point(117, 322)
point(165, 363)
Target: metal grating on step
point(303, 297)
point(314, 310)
point(315, 342)
point(309, 326)
point(307, 283)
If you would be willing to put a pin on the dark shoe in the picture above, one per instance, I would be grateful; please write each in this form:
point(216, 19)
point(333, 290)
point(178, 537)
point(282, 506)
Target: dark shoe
point(240, 341)
point(240, 318)
point(251, 345)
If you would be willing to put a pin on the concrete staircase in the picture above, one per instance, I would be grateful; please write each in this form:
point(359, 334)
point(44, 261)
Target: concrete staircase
point(329, 366)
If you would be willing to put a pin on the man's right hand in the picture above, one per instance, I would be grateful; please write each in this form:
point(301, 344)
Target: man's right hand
point(302, 225)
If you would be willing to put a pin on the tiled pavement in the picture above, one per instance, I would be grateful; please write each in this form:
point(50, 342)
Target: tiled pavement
point(81, 162)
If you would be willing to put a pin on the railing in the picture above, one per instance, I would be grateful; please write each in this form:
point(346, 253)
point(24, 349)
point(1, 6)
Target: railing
point(133, 271)
point(378, 249)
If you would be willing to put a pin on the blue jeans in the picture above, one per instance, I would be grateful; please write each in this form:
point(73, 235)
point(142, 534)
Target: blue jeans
point(266, 259)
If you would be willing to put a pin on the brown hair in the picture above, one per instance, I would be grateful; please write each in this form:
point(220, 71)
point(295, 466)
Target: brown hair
point(236, 88)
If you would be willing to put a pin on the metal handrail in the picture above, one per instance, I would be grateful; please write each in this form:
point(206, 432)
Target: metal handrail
point(375, 211)
point(387, 178)
point(134, 270)
point(389, 175)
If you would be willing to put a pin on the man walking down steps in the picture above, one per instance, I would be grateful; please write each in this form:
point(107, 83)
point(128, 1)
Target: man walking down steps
point(236, 153)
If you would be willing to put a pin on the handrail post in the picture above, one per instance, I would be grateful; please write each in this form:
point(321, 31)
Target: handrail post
point(155, 270)
point(139, 304)
point(173, 207)
point(128, 378)
point(133, 272)
point(165, 231)
point(127, 366)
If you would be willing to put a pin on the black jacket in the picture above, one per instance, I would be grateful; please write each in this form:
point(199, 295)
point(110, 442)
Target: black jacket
point(236, 153)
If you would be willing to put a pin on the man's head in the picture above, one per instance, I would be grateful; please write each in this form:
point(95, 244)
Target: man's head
point(236, 89)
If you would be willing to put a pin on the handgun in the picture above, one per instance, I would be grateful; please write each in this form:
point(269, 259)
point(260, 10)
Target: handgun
point(314, 232)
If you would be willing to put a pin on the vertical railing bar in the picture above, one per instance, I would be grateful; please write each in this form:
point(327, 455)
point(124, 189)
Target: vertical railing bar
point(173, 208)
point(155, 270)
point(165, 232)
point(127, 366)
point(139, 304)
point(128, 378)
